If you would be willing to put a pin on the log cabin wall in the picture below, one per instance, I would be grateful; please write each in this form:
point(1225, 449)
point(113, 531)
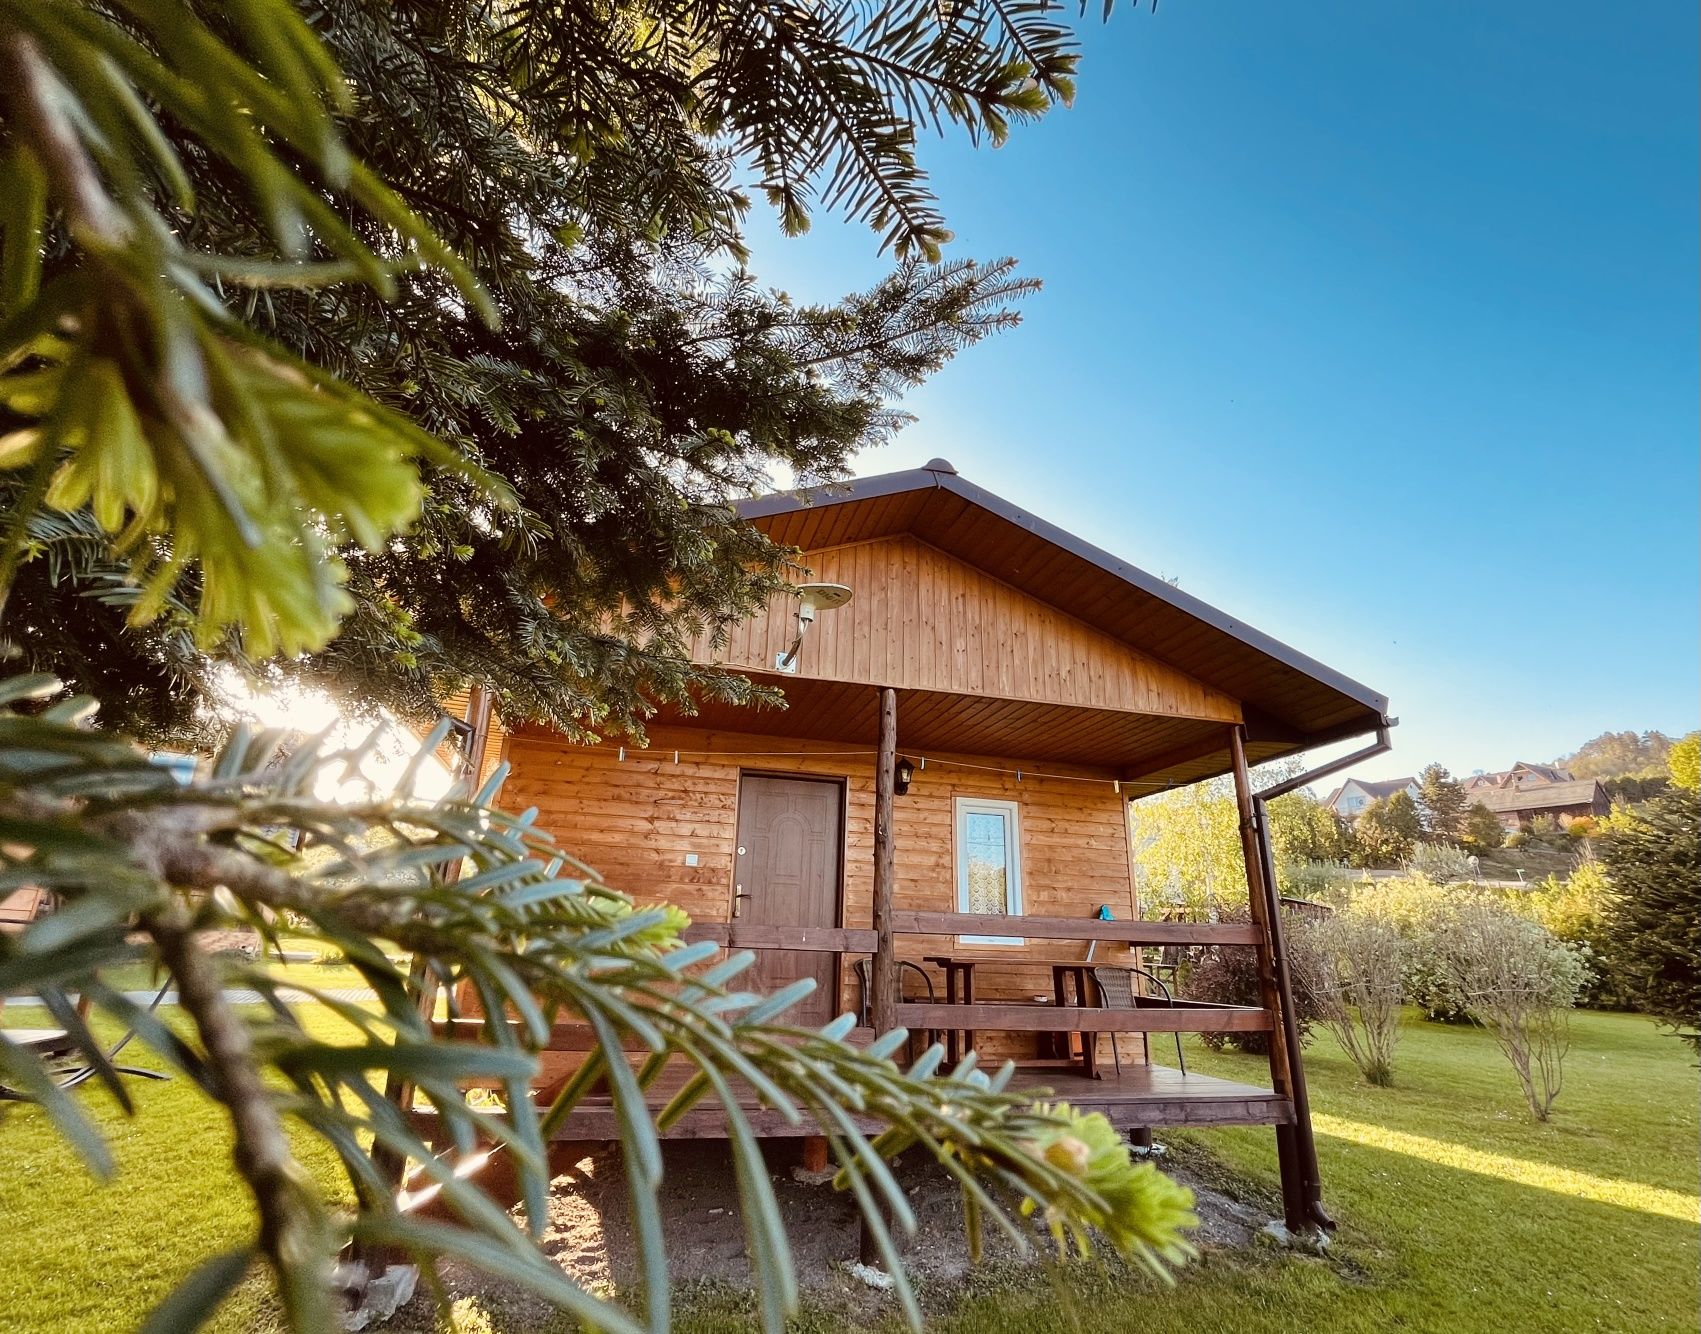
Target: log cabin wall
point(636, 821)
point(921, 619)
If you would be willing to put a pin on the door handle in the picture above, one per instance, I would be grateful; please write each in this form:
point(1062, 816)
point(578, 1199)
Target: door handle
point(737, 897)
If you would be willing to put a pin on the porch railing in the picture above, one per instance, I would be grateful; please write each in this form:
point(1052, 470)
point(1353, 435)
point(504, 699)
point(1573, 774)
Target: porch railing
point(1167, 1017)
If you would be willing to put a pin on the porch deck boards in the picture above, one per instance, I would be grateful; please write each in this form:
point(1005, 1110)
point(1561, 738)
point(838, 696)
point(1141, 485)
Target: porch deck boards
point(1141, 1096)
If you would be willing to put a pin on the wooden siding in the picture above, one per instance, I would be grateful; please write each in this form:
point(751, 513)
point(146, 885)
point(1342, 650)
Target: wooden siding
point(637, 820)
point(923, 620)
point(943, 512)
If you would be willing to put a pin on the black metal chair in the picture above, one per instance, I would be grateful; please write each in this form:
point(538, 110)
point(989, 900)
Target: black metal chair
point(1115, 983)
point(864, 969)
point(68, 1065)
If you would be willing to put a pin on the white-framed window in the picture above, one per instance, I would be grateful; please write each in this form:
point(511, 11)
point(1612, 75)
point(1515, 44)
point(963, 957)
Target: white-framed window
point(989, 863)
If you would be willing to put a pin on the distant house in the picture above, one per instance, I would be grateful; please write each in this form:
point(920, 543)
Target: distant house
point(1521, 776)
point(1351, 797)
point(1525, 792)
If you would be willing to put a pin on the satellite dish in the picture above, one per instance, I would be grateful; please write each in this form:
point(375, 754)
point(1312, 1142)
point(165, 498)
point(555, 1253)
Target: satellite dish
point(812, 598)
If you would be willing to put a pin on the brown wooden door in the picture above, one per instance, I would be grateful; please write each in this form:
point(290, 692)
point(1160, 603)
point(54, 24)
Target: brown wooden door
point(790, 844)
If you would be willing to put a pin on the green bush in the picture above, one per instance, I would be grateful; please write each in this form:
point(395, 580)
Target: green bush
point(1419, 909)
point(1323, 881)
point(1483, 830)
point(1575, 910)
point(1441, 863)
point(1228, 975)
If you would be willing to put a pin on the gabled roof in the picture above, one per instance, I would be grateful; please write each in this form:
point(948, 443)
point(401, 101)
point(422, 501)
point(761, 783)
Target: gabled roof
point(1548, 796)
point(1521, 774)
point(1375, 789)
point(1550, 773)
point(1291, 701)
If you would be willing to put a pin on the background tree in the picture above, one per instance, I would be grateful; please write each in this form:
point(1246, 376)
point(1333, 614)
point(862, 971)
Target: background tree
point(1620, 754)
point(1684, 762)
point(1653, 917)
point(611, 361)
point(1629, 789)
point(1482, 831)
point(189, 218)
point(1387, 830)
point(1303, 829)
point(1443, 803)
point(1187, 852)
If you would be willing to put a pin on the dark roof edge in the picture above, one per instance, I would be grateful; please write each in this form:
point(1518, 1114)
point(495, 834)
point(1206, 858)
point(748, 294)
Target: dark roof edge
point(917, 479)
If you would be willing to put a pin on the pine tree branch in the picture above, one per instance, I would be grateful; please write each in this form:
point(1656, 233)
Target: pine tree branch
point(38, 102)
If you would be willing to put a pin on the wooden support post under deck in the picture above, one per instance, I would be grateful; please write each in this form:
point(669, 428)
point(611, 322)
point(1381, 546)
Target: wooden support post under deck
point(883, 1004)
point(1260, 901)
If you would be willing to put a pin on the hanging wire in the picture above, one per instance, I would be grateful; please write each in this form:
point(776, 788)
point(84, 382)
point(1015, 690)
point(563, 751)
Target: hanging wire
point(921, 763)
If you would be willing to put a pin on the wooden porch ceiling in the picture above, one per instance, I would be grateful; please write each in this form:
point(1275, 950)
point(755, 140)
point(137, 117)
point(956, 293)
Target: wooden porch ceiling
point(1112, 742)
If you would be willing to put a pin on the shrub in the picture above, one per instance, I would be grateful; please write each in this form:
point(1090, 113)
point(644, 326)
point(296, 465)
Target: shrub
point(1323, 881)
point(1517, 839)
point(1351, 967)
point(1575, 910)
point(1441, 863)
point(1228, 975)
point(1520, 983)
point(1416, 908)
point(1580, 828)
point(1683, 761)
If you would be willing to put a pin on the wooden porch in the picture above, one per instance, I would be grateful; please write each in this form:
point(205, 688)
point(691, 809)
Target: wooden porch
point(1137, 1095)
point(1141, 1097)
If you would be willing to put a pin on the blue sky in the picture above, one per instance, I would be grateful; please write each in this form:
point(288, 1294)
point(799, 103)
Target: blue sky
point(1374, 324)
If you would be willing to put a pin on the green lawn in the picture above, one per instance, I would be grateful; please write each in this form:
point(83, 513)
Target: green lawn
point(330, 974)
point(1457, 1212)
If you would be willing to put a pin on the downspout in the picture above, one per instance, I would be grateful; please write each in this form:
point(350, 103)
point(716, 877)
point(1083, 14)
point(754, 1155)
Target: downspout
point(1303, 1137)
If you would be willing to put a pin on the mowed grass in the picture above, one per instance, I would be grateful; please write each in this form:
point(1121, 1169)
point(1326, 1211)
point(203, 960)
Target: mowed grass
point(1457, 1211)
point(77, 1254)
point(327, 971)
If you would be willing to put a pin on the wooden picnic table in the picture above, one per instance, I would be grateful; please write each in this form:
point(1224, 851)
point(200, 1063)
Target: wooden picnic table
point(959, 969)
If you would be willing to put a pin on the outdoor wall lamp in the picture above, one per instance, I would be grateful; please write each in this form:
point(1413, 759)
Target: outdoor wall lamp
point(902, 773)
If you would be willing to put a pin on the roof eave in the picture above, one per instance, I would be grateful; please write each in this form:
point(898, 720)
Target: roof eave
point(921, 479)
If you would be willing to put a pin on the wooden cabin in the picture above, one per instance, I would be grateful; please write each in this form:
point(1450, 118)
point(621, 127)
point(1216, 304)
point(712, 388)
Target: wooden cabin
point(935, 827)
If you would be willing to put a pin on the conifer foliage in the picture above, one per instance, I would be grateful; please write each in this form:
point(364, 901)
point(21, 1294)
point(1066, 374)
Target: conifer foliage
point(462, 284)
point(446, 354)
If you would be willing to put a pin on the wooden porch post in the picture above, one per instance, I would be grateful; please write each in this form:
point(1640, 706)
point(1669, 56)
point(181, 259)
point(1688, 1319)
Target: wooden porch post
point(883, 1007)
point(390, 1166)
point(1259, 901)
